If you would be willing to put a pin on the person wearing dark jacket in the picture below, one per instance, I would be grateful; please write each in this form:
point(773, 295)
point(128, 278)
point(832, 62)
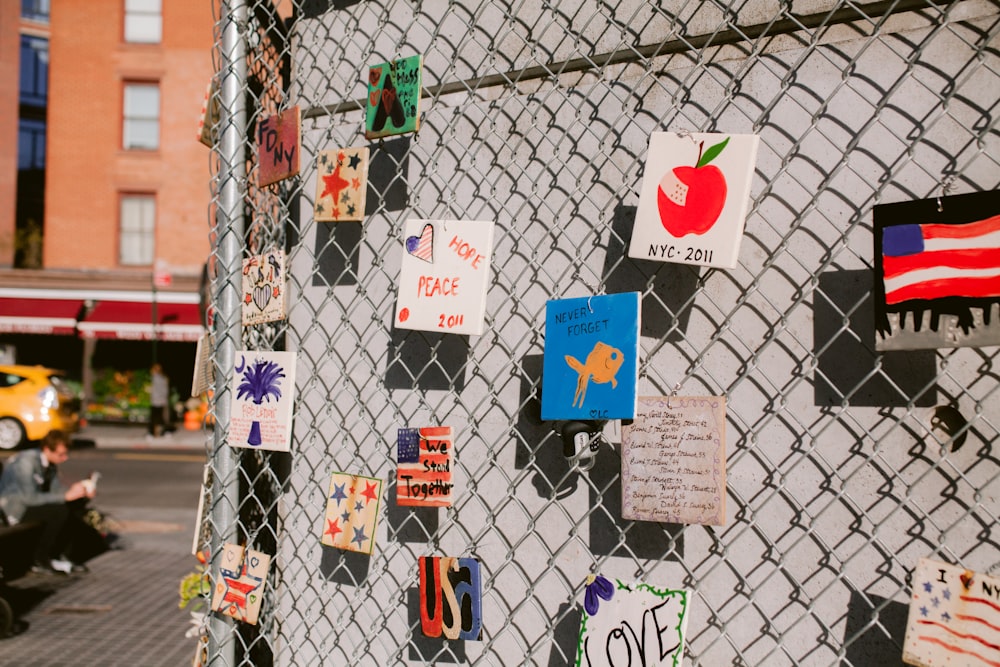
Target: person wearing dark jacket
point(30, 491)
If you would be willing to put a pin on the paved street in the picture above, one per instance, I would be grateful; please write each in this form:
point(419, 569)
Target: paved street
point(124, 611)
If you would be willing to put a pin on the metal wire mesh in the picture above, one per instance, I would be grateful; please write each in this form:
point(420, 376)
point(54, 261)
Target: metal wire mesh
point(537, 116)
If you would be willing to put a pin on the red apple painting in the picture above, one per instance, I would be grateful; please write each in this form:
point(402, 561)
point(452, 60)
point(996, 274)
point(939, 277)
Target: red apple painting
point(690, 199)
point(694, 198)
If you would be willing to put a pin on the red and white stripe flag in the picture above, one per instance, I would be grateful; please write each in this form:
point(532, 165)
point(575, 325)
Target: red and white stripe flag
point(933, 261)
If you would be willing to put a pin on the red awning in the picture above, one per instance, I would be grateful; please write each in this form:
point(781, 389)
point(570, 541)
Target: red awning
point(133, 320)
point(39, 316)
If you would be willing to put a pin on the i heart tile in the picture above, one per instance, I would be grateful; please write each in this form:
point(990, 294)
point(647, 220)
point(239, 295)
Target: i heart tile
point(443, 288)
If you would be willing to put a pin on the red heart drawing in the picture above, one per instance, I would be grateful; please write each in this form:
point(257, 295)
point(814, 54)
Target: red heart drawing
point(374, 75)
point(966, 578)
point(388, 97)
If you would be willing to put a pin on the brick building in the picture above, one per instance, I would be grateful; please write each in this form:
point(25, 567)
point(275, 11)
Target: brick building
point(126, 183)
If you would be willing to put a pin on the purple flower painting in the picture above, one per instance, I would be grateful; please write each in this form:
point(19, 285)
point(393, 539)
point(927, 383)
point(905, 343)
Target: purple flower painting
point(263, 390)
point(597, 587)
point(261, 381)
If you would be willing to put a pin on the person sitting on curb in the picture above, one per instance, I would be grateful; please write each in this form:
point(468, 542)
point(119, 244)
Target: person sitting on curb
point(30, 491)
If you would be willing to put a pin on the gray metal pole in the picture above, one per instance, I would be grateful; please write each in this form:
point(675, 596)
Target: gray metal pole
point(228, 326)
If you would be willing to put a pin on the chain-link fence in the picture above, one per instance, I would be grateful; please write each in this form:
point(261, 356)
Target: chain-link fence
point(537, 115)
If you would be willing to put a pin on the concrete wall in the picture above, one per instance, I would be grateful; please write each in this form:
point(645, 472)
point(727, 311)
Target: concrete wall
point(836, 483)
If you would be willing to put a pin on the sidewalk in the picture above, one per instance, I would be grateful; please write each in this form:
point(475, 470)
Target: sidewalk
point(123, 613)
point(136, 436)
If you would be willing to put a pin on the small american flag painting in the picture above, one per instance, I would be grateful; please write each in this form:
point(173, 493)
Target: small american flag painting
point(423, 476)
point(954, 618)
point(931, 261)
point(937, 272)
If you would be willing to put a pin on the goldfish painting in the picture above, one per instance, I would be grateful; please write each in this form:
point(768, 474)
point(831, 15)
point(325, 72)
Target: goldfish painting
point(590, 368)
point(602, 365)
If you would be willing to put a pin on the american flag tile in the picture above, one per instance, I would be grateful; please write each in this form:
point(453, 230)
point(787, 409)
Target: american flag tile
point(937, 272)
point(423, 475)
point(954, 618)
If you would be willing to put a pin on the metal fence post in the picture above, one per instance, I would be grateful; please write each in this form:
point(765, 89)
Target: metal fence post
point(229, 229)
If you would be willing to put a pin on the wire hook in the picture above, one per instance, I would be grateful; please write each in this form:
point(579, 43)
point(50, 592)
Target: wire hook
point(946, 185)
point(686, 134)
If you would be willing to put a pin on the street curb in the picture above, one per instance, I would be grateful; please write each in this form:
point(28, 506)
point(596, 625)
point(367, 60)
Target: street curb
point(137, 439)
point(150, 446)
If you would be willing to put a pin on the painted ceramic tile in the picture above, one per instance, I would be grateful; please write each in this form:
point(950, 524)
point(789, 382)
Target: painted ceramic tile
point(954, 618)
point(263, 391)
point(937, 272)
point(209, 118)
point(278, 147)
point(423, 473)
point(591, 361)
point(202, 528)
point(623, 620)
point(341, 184)
point(674, 461)
point(694, 197)
point(240, 587)
point(393, 98)
point(444, 274)
point(451, 598)
point(352, 512)
point(203, 379)
point(264, 287)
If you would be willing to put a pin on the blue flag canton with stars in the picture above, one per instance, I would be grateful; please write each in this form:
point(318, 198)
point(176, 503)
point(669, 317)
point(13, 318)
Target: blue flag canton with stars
point(408, 445)
point(931, 607)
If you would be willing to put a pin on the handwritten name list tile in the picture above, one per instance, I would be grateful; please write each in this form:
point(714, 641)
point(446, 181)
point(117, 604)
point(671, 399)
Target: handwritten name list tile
point(674, 461)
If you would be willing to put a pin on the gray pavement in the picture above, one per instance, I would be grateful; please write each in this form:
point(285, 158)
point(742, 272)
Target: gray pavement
point(124, 611)
point(135, 436)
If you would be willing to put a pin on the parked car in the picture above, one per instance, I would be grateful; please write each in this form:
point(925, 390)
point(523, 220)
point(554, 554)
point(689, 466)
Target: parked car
point(33, 401)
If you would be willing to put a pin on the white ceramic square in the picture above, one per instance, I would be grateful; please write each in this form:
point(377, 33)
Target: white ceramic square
point(263, 394)
point(444, 274)
point(694, 198)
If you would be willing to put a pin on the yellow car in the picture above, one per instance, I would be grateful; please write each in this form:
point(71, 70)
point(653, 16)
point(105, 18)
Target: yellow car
point(33, 401)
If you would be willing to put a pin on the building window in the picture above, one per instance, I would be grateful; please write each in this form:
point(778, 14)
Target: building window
point(34, 82)
point(143, 21)
point(33, 96)
point(137, 225)
point(30, 144)
point(35, 10)
point(141, 116)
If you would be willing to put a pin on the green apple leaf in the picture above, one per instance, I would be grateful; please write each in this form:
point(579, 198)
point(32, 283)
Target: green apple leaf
point(712, 153)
